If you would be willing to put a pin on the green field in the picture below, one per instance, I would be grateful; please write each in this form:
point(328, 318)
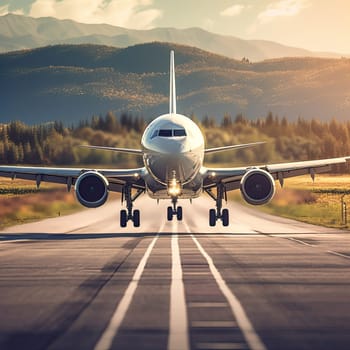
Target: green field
point(318, 202)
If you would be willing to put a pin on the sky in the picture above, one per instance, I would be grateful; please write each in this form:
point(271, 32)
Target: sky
point(318, 25)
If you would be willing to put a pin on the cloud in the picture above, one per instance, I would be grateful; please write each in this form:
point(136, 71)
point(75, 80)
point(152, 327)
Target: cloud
point(135, 14)
point(282, 8)
point(232, 11)
point(4, 10)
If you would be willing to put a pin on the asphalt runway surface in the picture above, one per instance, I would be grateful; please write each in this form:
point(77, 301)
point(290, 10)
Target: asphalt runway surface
point(81, 282)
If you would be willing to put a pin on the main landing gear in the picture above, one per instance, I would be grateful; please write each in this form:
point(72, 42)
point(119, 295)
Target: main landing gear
point(129, 214)
point(218, 213)
point(174, 210)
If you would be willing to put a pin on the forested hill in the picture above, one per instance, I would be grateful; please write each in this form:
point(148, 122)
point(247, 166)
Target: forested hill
point(71, 82)
point(54, 143)
point(143, 58)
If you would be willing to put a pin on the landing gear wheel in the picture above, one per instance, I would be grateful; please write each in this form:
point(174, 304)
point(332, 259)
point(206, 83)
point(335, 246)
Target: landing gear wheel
point(225, 217)
point(123, 218)
point(179, 213)
point(129, 214)
point(136, 218)
point(218, 213)
point(212, 217)
point(170, 213)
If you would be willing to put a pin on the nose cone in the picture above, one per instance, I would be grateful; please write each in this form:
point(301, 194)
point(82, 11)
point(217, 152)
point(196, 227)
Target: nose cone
point(170, 146)
point(164, 166)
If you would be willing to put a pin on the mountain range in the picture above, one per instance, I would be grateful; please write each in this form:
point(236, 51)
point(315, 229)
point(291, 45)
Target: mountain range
point(21, 32)
point(74, 82)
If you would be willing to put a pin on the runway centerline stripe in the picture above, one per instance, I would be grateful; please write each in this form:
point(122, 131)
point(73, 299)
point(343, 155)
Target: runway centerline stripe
point(105, 342)
point(178, 323)
point(249, 333)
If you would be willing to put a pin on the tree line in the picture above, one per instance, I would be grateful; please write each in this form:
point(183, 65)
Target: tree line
point(58, 144)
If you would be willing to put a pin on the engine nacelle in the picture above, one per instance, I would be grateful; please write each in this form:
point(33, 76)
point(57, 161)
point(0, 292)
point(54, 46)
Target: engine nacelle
point(257, 187)
point(91, 189)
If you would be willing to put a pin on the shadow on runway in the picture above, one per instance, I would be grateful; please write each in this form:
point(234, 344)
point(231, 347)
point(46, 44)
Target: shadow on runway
point(76, 236)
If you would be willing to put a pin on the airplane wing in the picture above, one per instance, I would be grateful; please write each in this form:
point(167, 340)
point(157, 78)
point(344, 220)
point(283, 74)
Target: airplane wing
point(68, 176)
point(115, 149)
point(231, 177)
point(232, 147)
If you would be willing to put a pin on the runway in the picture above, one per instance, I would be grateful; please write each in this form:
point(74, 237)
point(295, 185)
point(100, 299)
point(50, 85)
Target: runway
point(81, 282)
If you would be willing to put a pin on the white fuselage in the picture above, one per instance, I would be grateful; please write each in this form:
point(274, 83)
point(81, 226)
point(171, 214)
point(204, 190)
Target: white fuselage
point(173, 155)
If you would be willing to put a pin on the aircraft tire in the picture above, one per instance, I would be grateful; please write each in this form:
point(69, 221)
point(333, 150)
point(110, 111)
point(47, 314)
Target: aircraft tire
point(136, 218)
point(179, 213)
point(123, 218)
point(225, 217)
point(170, 213)
point(212, 217)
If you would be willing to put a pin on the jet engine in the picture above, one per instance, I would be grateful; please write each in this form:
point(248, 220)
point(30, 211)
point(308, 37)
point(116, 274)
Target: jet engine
point(257, 187)
point(91, 189)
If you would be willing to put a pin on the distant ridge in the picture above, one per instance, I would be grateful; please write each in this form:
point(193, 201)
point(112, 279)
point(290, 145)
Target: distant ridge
point(21, 32)
point(74, 82)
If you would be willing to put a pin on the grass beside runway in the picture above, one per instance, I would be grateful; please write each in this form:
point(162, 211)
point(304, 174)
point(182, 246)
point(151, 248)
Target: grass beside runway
point(21, 202)
point(301, 199)
point(317, 202)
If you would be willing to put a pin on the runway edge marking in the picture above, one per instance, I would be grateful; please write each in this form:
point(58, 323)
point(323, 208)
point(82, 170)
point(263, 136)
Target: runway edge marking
point(105, 342)
point(178, 321)
point(249, 333)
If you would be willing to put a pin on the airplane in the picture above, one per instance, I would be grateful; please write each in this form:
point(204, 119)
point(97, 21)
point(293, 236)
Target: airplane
point(173, 151)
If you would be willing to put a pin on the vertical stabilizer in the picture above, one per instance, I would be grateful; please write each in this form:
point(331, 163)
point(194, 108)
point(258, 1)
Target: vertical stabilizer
point(172, 97)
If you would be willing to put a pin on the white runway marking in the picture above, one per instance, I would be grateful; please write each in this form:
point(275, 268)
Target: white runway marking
point(15, 241)
point(178, 328)
point(111, 331)
point(249, 333)
point(338, 254)
point(300, 241)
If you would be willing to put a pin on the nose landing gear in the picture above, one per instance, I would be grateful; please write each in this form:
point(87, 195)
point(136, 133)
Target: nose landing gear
point(174, 210)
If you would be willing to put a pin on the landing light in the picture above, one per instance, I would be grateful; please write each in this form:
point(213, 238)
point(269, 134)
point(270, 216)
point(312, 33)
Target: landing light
point(174, 188)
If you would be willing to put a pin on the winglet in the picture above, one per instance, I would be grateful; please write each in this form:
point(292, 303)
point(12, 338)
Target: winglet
point(172, 97)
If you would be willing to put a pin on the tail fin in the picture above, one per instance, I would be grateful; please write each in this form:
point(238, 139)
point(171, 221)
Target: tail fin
point(172, 97)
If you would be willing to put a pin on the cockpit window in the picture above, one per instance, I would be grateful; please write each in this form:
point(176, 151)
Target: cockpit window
point(155, 134)
point(168, 133)
point(179, 132)
point(165, 133)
